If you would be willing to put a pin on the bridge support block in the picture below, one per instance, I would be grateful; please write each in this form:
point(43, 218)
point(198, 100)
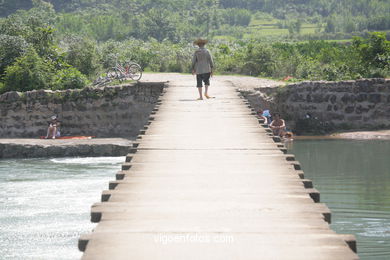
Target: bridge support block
point(126, 166)
point(301, 174)
point(96, 215)
point(308, 184)
point(350, 240)
point(129, 157)
point(133, 150)
point(112, 185)
point(276, 139)
point(119, 176)
point(105, 196)
point(284, 150)
point(296, 164)
point(327, 217)
point(83, 242)
point(290, 157)
point(314, 195)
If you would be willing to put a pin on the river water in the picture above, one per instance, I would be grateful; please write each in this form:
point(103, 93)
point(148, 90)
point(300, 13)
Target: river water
point(45, 204)
point(353, 178)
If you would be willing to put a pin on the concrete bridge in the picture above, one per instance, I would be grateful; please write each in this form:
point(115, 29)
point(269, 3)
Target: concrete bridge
point(207, 181)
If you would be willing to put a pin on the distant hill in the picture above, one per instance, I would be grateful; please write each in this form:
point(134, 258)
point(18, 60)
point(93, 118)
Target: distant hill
point(178, 20)
point(280, 9)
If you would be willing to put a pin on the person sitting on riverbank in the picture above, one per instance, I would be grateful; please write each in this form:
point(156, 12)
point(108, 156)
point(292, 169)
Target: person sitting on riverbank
point(267, 115)
point(53, 130)
point(261, 117)
point(278, 125)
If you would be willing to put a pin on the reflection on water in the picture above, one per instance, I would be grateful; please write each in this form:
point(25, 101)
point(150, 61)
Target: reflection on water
point(353, 178)
point(45, 204)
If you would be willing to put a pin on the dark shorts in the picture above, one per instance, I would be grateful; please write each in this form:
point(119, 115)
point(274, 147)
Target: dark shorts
point(205, 77)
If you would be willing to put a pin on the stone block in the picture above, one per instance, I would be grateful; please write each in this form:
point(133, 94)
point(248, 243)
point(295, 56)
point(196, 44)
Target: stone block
point(349, 109)
point(374, 98)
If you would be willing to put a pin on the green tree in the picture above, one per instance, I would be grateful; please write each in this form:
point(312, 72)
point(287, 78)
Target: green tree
point(330, 26)
point(11, 47)
point(69, 78)
point(82, 54)
point(374, 51)
point(28, 72)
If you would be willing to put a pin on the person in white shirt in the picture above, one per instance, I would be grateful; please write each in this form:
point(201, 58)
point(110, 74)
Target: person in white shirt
point(202, 66)
point(53, 130)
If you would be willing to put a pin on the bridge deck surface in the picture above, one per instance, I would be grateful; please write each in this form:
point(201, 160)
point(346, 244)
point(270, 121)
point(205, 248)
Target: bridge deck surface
point(207, 182)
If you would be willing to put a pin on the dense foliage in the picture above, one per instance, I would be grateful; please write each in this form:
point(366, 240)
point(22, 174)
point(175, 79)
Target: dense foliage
point(314, 60)
point(178, 20)
point(63, 44)
point(29, 57)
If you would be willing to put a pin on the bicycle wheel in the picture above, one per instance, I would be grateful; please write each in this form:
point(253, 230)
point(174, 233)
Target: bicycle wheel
point(101, 81)
point(113, 74)
point(135, 71)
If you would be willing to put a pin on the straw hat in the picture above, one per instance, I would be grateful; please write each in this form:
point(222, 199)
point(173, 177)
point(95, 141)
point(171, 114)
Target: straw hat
point(201, 41)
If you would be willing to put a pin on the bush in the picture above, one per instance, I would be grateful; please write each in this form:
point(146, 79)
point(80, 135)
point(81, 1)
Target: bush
point(11, 47)
point(31, 72)
point(82, 54)
point(27, 73)
point(69, 78)
point(2, 88)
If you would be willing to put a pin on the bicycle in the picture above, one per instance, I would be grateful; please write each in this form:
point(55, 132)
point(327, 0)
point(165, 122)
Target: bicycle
point(129, 70)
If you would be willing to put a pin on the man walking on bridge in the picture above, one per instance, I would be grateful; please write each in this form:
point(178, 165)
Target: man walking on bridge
point(202, 66)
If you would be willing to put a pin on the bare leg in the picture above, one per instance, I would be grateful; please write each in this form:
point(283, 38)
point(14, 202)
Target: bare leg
point(200, 93)
point(48, 132)
point(51, 132)
point(282, 132)
point(54, 132)
point(206, 89)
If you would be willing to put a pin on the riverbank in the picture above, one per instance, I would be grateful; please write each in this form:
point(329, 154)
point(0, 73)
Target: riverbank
point(49, 148)
point(355, 135)
point(364, 135)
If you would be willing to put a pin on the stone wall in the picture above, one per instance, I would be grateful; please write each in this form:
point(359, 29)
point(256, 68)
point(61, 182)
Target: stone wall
point(113, 111)
point(38, 151)
point(346, 104)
